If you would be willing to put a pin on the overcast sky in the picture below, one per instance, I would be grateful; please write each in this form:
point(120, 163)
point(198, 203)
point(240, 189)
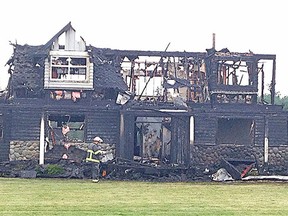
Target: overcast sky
point(188, 25)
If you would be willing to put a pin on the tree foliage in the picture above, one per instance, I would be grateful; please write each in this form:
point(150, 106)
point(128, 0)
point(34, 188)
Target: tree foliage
point(279, 100)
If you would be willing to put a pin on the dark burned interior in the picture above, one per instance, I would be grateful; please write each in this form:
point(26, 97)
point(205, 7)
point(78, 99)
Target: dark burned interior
point(157, 107)
point(235, 131)
point(67, 128)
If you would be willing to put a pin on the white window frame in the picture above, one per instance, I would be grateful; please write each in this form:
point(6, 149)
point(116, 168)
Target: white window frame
point(63, 71)
point(68, 80)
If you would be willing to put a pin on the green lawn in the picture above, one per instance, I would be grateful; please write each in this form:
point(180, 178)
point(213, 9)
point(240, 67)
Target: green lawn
point(82, 197)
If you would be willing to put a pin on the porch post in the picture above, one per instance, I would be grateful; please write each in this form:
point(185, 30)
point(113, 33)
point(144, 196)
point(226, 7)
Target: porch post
point(42, 143)
point(266, 142)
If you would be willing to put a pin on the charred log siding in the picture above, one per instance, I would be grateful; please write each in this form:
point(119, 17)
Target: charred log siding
point(180, 148)
point(126, 148)
point(25, 124)
point(103, 123)
point(277, 130)
point(4, 140)
point(205, 128)
point(259, 134)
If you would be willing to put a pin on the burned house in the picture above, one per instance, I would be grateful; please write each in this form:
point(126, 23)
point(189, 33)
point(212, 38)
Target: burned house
point(185, 108)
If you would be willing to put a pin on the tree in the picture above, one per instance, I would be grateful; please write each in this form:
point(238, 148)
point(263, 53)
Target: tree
point(278, 100)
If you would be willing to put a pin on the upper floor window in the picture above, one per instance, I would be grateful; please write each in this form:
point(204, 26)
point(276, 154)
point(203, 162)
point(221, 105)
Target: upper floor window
point(68, 68)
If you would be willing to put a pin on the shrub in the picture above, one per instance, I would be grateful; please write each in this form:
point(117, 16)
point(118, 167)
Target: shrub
point(54, 169)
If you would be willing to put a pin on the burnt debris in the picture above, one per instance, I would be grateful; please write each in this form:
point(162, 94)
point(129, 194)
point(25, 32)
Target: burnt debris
point(167, 114)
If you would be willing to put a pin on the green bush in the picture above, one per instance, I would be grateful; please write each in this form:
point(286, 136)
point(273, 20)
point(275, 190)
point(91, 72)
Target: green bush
point(54, 169)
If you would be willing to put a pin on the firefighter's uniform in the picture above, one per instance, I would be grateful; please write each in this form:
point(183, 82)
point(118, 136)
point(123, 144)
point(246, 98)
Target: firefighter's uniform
point(93, 157)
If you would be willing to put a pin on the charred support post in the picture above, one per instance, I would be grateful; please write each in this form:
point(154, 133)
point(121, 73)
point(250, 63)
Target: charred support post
point(213, 40)
point(122, 134)
point(266, 142)
point(132, 86)
point(273, 82)
point(126, 146)
point(191, 135)
point(42, 138)
point(262, 84)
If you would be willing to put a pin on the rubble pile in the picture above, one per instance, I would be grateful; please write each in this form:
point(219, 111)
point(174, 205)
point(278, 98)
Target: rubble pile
point(69, 162)
point(116, 169)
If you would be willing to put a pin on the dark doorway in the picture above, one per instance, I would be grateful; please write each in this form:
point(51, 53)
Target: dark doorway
point(152, 138)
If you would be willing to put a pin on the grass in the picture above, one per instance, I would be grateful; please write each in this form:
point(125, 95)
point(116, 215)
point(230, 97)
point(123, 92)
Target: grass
point(82, 197)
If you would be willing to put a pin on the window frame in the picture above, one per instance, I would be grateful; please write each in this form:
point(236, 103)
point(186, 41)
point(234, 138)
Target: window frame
point(56, 123)
point(56, 55)
point(73, 81)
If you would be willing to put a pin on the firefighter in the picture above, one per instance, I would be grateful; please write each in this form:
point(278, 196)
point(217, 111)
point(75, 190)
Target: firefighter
point(93, 157)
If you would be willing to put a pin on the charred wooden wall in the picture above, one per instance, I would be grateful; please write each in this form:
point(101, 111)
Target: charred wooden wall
point(126, 146)
point(5, 116)
point(21, 122)
point(103, 123)
point(25, 124)
point(206, 122)
point(180, 148)
point(277, 129)
point(100, 120)
point(268, 121)
point(205, 126)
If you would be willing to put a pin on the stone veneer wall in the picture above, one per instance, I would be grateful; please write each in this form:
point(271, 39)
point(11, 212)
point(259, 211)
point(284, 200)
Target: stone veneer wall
point(205, 155)
point(27, 150)
point(24, 150)
point(201, 155)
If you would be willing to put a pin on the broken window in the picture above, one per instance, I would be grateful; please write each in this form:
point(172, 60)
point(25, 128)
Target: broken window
point(66, 128)
point(235, 131)
point(153, 138)
point(234, 73)
point(69, 68)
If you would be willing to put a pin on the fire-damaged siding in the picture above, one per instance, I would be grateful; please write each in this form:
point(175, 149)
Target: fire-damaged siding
point(4, 136)
point(180, 151)
point(205, 127)
point(25, 124)
point(259, 134)
point(103, 123)
point(277, 130)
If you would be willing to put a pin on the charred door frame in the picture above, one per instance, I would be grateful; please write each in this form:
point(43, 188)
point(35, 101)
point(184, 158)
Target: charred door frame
point(180, 134)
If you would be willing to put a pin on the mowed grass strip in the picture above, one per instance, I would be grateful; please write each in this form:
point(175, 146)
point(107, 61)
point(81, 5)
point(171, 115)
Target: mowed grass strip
point(82, 197)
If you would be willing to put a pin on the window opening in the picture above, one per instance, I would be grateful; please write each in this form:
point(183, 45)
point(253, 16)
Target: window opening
point(235, 131)
point(234, 73)
point(68, 68)
point(66, 128)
